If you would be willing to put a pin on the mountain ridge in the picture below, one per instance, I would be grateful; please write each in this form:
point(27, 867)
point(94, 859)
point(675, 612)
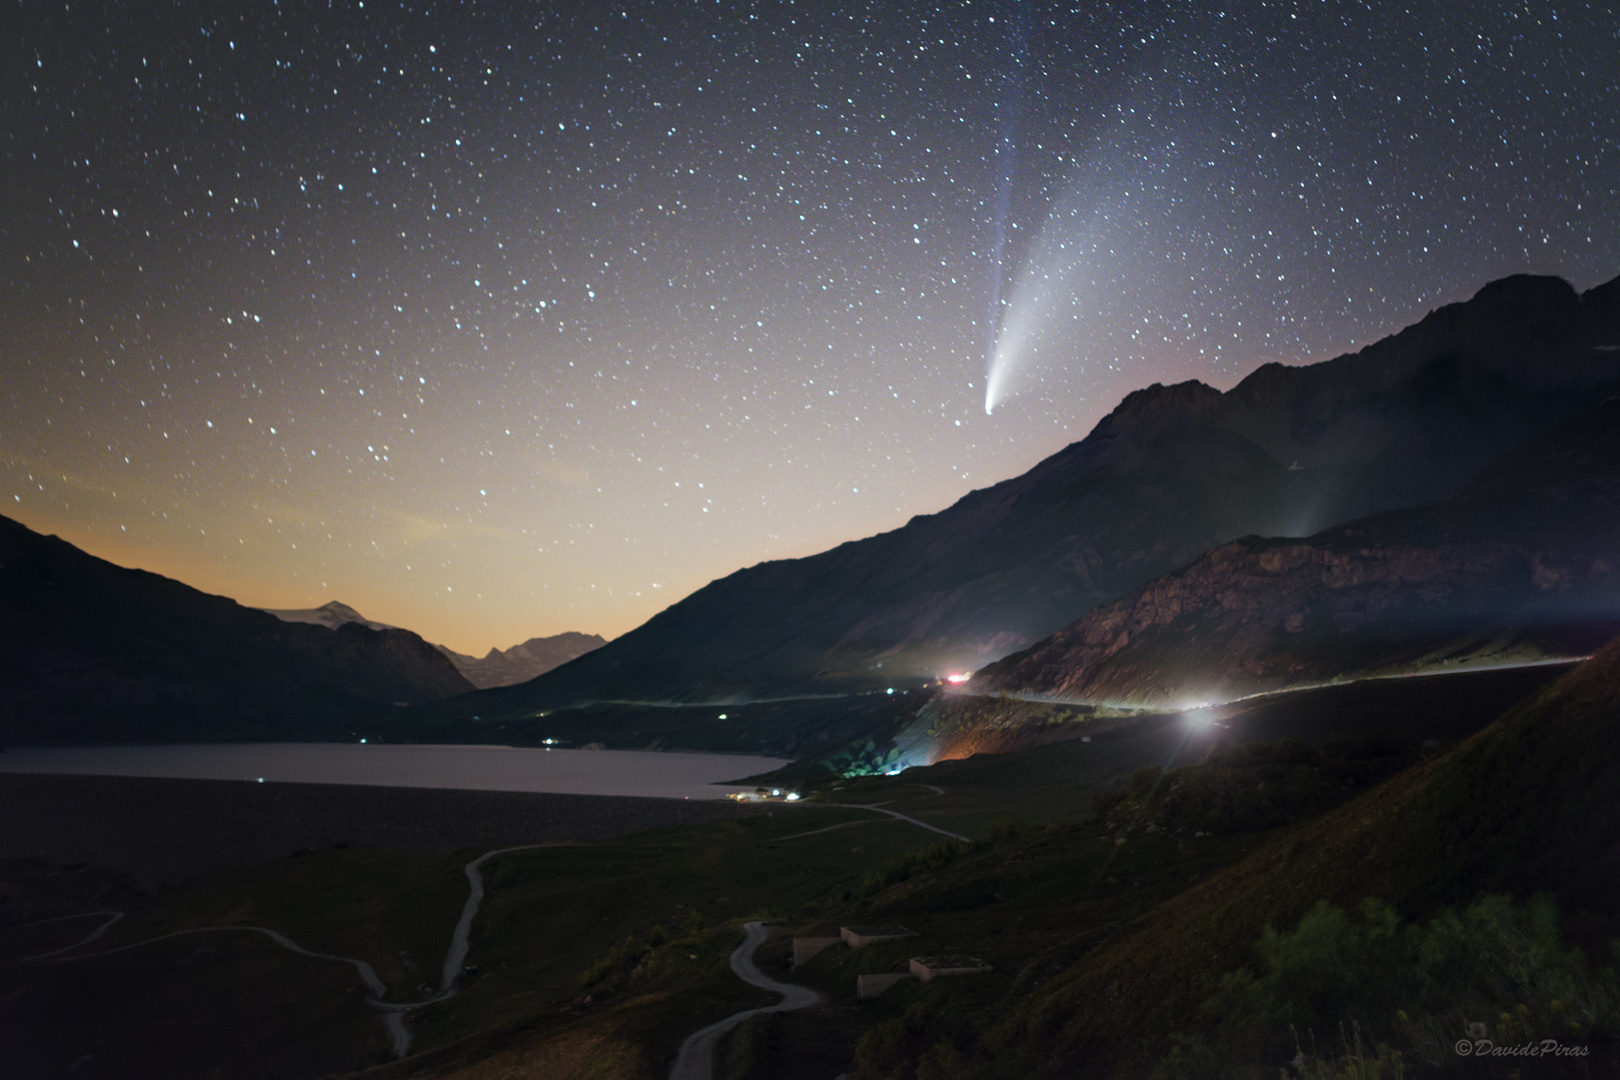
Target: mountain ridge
point(92, 651)
point(498, 667)
point(1171, 473)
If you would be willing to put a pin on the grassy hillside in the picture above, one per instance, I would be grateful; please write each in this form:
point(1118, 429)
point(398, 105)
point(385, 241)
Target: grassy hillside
point(1525, 806)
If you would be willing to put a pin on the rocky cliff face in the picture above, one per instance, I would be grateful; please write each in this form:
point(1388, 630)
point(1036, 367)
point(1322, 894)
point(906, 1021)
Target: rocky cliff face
point(1171, 473)
point(90, 651)
point(1519, 565)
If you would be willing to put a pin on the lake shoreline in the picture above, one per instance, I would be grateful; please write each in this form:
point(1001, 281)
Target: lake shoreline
point(473, 767)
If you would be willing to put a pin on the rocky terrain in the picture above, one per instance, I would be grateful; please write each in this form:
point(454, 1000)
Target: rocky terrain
point(1171, 473)
point(1518, 566)
point(93, 652)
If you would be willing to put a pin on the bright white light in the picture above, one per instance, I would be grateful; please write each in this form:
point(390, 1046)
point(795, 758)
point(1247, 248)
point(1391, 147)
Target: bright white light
point(959, 678)
point(793, 796)
point(1200, 718)
point(890, 690)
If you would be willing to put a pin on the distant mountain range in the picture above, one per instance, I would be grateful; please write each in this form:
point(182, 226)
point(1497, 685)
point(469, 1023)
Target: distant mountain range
point(93, 652)
point(1172, 473)
point(1522, 564)
point(498, 667)
point(523, 662)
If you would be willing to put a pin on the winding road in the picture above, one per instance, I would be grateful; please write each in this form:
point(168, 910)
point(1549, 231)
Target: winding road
point(696, 1058)
point(393, 1013)
point(880, 808)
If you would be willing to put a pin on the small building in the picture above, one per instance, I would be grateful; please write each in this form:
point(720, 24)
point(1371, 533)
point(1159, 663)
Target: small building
point(806, 947)
point(929, 968)
point(858, 936)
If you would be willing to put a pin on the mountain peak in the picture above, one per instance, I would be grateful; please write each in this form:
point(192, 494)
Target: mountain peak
point(1154, 400)
point(332, 614)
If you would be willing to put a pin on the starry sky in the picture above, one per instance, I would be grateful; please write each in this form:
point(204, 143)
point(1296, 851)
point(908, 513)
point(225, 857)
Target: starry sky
point(503, 319)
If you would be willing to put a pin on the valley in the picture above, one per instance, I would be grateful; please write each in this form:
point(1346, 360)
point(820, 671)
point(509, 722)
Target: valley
point(598, 957)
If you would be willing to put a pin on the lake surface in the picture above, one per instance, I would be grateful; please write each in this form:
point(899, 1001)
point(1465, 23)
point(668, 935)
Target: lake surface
point(477, 768)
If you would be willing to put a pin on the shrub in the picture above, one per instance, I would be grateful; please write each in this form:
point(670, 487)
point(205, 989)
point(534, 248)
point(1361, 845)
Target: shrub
point(1495, 969)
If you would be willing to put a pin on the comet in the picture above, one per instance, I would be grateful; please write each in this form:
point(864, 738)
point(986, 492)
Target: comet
point(1011, 109)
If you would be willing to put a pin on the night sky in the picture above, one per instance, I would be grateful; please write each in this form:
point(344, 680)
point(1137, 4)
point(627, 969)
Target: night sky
point(501, 319)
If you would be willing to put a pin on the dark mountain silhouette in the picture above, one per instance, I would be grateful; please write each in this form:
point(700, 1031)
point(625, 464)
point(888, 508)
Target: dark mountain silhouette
point(1519, 565)
point(1173, 472)
point(90, 651)
point(498, 667)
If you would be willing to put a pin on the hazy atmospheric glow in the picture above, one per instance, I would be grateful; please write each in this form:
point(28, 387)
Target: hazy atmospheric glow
point(502, 320)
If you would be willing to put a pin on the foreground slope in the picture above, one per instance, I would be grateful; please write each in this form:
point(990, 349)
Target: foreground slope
point(1525, 806)
point(90, 651)
point(1523, 562)
point(1172, 472)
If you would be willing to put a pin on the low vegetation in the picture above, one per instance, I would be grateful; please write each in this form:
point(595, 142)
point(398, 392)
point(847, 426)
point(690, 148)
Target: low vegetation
point(1498, 971)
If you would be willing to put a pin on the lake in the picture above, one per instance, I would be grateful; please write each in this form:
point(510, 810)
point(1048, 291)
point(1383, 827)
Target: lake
point(478, 768)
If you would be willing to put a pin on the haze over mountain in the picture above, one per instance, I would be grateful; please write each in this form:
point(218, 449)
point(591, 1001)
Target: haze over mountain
point(1173, 472)
point(498, 667)
point(90, 651)
point(1519, 565)
point(522, 662)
